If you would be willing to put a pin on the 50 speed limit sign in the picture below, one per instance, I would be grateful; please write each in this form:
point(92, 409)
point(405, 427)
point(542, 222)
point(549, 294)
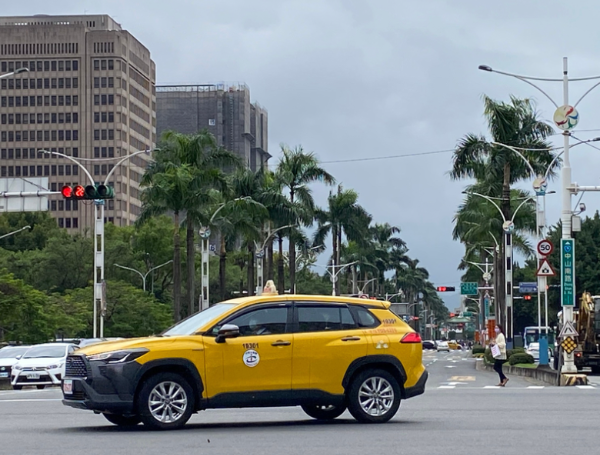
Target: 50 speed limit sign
point(545, 247)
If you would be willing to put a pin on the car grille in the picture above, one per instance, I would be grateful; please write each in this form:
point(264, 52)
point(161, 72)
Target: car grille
point(78, 395)
point(75, 367)
point(25, 380)
point(34, 369)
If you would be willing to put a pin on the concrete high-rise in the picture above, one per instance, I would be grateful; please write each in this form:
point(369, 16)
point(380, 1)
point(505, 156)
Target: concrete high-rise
point(225, 110)
point(90, 94)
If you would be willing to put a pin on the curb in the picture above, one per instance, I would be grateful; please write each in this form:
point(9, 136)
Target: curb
point(545, 375)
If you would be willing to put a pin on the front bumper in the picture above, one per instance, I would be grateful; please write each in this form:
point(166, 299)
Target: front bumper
point(36, 377)
point(101, 387)
point(418, 388)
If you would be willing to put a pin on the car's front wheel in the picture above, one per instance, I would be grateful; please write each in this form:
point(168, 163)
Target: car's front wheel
point(40, 387)
point(374, 396)
point(17, 387)
point(329, 412)
point(123, 421)
point(165, 401)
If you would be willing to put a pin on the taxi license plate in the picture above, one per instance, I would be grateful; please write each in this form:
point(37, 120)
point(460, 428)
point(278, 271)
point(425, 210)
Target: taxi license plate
point(33, 375)
point(68, 386)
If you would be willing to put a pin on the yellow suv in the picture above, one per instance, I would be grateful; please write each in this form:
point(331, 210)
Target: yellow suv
point(326, 354)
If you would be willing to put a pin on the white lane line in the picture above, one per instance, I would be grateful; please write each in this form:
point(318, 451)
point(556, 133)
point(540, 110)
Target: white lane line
point(446, 387)
point(450, 366)
point(30, 399)
point(491, 387)
point(585, 387)
point(535, 387)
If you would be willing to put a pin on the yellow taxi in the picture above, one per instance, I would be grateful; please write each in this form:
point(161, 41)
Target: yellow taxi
point(453, 345)
point(323, 353)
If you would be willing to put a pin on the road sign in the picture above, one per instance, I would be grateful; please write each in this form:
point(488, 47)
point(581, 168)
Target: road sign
point(545, 269)
point(508, 226)
point(568, 344)
point(545, 247)
point(567, 272)
point(568, 331)
point(468, 288)
point(528, 288)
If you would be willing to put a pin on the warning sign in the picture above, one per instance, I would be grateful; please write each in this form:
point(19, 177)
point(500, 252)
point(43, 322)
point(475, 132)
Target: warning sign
point(545, 269)
point(568, 330)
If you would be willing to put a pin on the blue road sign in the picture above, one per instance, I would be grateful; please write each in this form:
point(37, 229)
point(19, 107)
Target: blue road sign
point(528, 288)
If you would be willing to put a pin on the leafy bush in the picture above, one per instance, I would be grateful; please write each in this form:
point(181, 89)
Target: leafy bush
point(512, 351)
point(520, 358)
point(478, 349)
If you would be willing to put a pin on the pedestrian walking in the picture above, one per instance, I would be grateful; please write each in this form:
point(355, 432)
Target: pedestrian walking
point(498, 347)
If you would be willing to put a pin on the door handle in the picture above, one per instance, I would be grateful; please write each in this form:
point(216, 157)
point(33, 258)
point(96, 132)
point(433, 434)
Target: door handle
point(351, 339)
point(281, 343)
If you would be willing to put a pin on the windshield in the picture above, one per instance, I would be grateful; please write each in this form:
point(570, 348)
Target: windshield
point(11, 353)
point(39, 352)
point(191, 324)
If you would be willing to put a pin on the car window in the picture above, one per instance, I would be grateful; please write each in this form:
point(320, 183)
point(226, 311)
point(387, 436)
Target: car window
point(263, 321)
point(320, 318)
point(364, 318)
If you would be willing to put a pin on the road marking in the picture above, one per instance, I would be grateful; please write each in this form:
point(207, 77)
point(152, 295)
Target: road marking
point(491, 387)
point(585, 387)
point(450, 366)
point(462, 378)
point(446, 387)
point(536, 387)
point(30, 399)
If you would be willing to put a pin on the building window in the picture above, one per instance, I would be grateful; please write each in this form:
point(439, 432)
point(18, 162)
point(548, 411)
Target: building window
point(96, 169)
point(75, 220)
point(68, 223)
point(53, 206)
point(61, 223)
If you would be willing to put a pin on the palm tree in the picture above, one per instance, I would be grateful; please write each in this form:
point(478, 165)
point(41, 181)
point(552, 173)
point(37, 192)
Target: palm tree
point(515, 124)
point(384, 242)
point(166, 187)
point(344, 216)
point(296, 170)
point(201, 152)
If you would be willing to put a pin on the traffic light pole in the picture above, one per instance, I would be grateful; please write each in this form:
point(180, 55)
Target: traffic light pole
point(99, 287)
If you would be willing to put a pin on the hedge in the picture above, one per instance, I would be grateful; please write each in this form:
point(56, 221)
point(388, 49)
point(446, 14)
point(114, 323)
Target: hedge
point(520, 358)
point(478, 349)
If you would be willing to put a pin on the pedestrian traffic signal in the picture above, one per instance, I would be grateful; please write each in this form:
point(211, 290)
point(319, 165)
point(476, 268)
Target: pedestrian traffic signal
point(90, 192)
point(527, 297)
point(445, 289)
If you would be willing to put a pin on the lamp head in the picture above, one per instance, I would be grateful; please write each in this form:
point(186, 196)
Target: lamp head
point(21, 70)
point(485, 68)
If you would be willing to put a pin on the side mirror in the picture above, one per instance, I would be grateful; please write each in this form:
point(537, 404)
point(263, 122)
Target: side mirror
point(227, 331)
point(19, 357)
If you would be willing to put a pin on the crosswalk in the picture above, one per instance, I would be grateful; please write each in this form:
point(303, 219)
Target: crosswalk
point(531, 387)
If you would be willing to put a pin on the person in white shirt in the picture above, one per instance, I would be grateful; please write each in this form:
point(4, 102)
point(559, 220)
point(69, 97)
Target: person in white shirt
point(500, 341)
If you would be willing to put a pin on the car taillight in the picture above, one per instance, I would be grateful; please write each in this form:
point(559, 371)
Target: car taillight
point(578, 354)
point(412, 337)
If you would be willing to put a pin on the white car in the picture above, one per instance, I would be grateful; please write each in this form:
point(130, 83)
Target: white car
point(534, 350)
point(442, 346)
point(8, 357)
point(41, 365)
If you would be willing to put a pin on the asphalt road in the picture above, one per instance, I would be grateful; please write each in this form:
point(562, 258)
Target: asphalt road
point(461, 412)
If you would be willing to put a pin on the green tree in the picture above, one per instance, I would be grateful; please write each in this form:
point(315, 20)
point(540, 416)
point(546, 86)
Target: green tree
point(296, 170)
point(43, 227)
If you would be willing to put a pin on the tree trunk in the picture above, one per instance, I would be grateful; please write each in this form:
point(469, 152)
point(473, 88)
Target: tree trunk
point(176, 270)
point(251, 281)
point(270, 268)
point(334, 257)
point(292, 253)
point(190, 264)
point(222, 267)
point(280, 276)
point(354, 278)
point(338, 260)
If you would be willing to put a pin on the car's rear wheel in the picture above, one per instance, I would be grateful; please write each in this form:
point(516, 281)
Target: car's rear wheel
point(123, 421)
point(374, 396)
point(40, 387)
point(165, 401)
point(329, 412)
point(17, 387)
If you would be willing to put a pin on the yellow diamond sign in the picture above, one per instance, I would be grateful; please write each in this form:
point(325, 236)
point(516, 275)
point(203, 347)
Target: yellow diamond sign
point(568, 344)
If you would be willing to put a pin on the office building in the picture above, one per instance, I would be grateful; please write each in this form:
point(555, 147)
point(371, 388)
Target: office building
point(90, 94)
point(225, 110)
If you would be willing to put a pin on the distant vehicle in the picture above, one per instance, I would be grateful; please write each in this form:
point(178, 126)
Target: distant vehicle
point(8, 357)
point(429, 344)
point(442, 346)
point(531, 334)
point(453, 345)
point(534, 351)
point(88, 341)
point(41, 365)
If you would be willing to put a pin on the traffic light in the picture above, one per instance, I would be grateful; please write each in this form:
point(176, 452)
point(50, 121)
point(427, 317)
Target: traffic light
point(445, 289)
point(527, 297)
point(89, 192)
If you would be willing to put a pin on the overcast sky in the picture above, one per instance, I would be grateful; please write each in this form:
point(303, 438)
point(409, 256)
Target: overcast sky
point(354, 79)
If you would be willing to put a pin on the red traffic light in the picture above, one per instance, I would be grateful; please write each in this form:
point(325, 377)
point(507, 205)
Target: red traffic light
point(445, 289)
point(527, 297)
point(67, 192)
point(79, 192)
point(441, 288)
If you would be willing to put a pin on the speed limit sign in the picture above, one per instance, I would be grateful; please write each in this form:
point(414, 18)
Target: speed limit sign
point(545, 247)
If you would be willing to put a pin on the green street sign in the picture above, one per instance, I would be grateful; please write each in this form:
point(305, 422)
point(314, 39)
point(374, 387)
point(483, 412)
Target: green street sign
point(468, 288)
point(567, 272)
point(467, 314)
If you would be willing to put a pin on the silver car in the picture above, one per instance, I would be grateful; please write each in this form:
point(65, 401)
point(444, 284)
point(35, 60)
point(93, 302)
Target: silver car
point(442, 346)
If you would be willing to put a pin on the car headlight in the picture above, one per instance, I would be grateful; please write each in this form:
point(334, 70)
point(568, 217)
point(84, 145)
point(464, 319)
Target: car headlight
point(53, 367)
point(16, 367)
point(123, 356)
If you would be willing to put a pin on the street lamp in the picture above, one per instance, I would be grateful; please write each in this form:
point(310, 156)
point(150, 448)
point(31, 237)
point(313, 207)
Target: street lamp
point(259, 258)
point(333, 274)
point(508, 227)
point(362, 290)
point(15, 72)
point(14, 232)
point(566, 118)
point(143, 275)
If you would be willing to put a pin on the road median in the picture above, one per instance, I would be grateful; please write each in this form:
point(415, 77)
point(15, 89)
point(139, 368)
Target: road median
point(543, 373)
